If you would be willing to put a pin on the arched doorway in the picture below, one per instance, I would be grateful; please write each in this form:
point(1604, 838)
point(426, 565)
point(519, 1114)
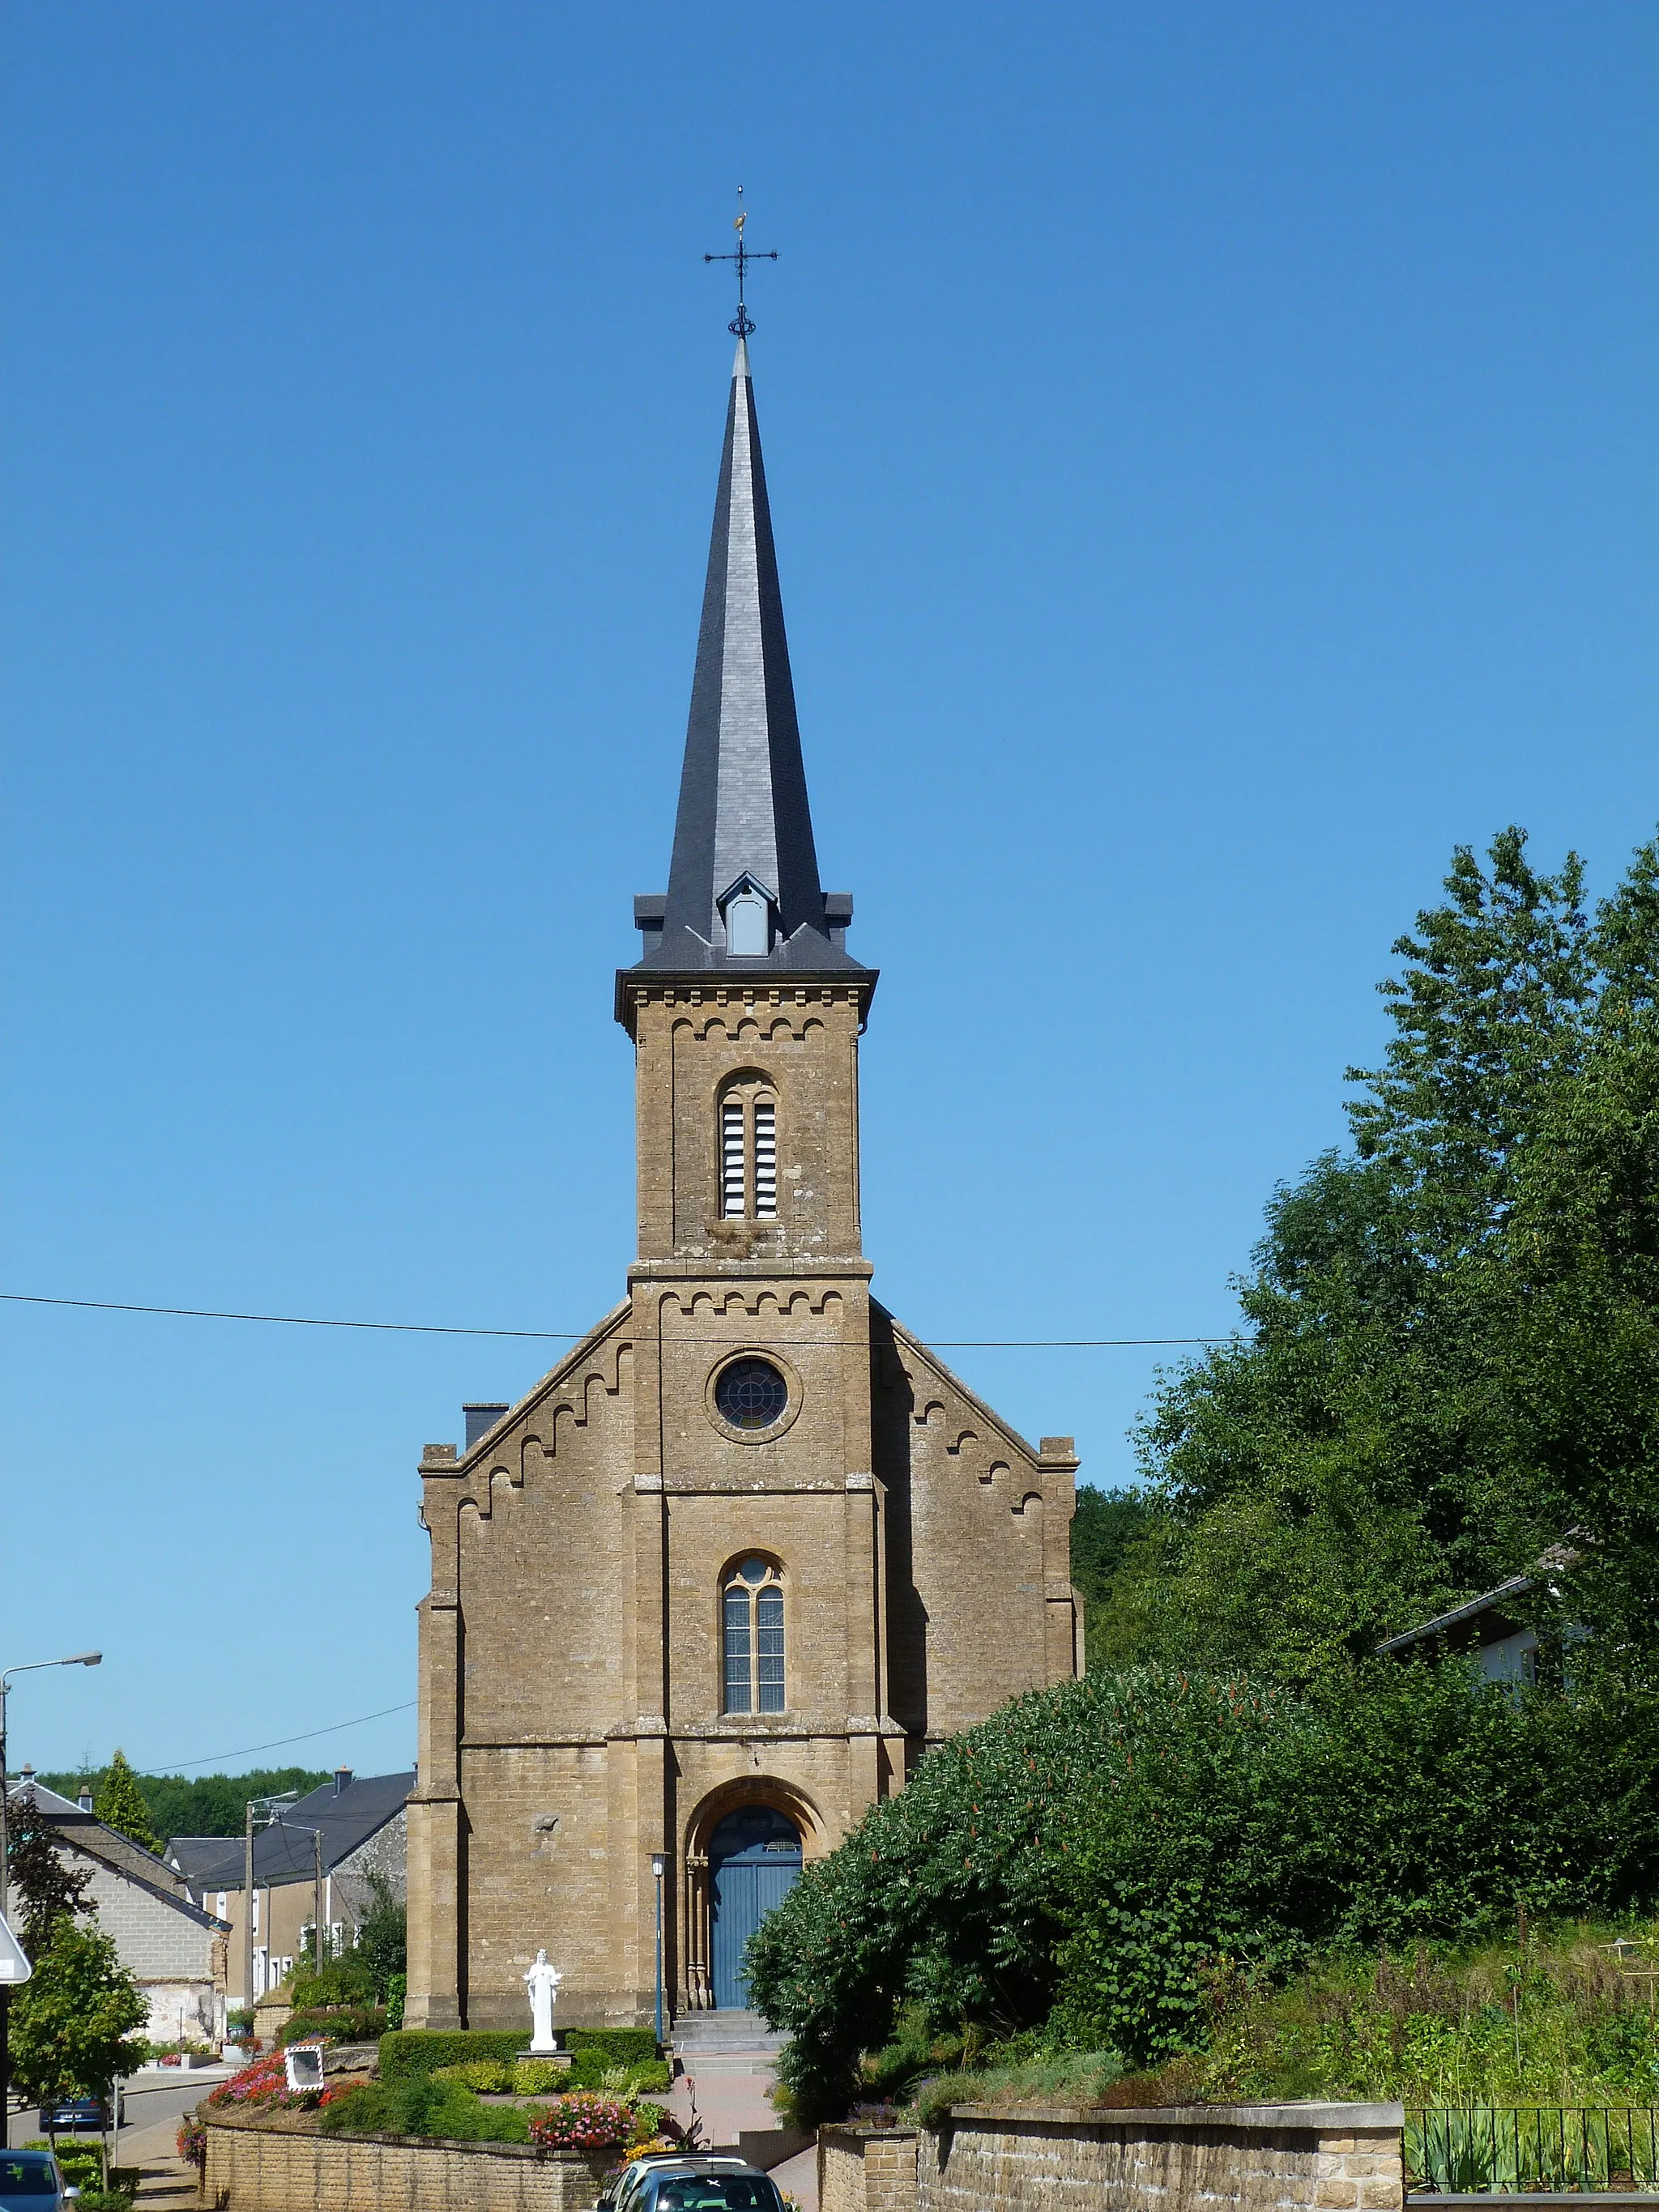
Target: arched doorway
point(754, 1861)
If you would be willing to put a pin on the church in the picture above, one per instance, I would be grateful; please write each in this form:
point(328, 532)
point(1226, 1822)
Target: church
point(717, 1583)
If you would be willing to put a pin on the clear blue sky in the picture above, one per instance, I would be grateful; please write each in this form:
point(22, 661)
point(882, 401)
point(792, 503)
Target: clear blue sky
point(1212, 450)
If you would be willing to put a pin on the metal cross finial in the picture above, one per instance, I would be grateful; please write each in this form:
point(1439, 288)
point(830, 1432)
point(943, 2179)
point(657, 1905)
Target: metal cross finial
point(740, 326)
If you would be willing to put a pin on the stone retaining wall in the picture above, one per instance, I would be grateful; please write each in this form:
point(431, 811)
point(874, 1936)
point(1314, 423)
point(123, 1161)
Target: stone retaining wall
point(285, 2164)
point(1258, 2158)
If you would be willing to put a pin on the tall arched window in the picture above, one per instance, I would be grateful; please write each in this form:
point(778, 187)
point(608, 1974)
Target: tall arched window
point(749, 1151)
point(751, 1635)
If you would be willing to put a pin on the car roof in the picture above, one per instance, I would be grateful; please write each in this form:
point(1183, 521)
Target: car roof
point(42, 2156)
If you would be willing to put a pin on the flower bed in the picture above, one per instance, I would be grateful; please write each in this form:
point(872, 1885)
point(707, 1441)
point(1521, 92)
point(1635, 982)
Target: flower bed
point(265, 2084)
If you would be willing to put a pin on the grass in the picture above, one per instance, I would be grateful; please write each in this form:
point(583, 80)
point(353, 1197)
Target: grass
point(1553, 2018)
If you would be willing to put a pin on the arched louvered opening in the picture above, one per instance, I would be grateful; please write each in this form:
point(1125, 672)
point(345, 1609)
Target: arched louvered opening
point(748, 1151)
point(766, 1160)
point(733, 1176)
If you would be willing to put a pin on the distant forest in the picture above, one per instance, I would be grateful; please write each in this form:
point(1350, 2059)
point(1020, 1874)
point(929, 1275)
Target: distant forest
point(210, 1805)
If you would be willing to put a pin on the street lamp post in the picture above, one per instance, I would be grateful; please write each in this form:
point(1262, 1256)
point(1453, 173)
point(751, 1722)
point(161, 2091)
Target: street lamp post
point(268, 1806)
point(79, 1659)
point(658, 1867)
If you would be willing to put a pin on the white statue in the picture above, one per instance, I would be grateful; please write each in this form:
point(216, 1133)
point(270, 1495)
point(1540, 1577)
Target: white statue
point(543, 1985)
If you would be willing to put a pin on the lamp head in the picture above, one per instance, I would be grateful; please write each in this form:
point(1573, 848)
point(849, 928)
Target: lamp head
point(658, 1863)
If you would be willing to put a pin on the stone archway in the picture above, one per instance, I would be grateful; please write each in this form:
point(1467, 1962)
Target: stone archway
point(744, 1845)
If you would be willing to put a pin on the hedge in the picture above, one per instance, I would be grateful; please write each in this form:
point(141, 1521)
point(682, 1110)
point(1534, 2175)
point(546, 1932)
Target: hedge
point(407, 2051)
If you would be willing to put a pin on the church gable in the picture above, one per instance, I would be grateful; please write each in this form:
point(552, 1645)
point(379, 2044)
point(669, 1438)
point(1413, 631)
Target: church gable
point(979, 1541)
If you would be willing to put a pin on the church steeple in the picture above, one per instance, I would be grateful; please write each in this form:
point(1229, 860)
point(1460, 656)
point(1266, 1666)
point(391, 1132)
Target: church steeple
point(744, 893)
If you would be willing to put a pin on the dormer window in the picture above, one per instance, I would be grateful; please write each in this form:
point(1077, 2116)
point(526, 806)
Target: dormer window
point(746, 910)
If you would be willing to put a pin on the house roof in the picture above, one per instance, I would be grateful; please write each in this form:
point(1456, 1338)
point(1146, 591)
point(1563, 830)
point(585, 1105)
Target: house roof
point(85, 1833)
point(1463, 1624)
point(743, 804)
point(284, 1852)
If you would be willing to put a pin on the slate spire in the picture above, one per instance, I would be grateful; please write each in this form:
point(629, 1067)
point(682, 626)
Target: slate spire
point(743, 882)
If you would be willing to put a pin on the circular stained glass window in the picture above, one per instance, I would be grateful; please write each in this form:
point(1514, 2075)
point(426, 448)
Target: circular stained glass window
point(751, 1393)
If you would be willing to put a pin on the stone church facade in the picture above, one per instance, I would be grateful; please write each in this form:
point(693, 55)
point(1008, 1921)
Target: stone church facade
point(714, 1585)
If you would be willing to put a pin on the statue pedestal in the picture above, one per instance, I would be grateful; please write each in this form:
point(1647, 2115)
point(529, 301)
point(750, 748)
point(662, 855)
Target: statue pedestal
point(560, 2058)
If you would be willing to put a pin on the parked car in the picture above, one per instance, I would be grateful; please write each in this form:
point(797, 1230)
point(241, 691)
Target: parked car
point(32, 2181)
point(69, 2113)
point(690, 2181)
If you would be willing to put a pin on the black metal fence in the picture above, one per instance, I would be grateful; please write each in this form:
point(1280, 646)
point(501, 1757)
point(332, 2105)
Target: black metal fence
point(1462, 2149)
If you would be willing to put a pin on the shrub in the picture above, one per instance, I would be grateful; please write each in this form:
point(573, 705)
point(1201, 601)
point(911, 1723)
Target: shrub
point(1078, 1860)
point(485, 2077)
point(421, 2105)
point(397, 1990)
point(344, 1982)
point(339, 2024)
point(621, 2046)
point(594, 2051)
point(535, 2078)
point(407, 2051)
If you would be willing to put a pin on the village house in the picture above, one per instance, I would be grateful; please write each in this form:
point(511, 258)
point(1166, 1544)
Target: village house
point(175, 1948)
point(363, 1824)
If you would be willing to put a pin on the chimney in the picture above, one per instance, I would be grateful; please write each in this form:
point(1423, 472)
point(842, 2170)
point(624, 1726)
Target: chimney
point(342, 1778)
point(84, 1801)
point(480, 1419)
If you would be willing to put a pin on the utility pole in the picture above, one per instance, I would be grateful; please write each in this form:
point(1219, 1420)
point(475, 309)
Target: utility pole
point(268, 1806)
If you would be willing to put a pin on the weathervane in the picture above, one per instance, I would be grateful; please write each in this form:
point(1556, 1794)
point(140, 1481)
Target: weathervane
point(740, 326)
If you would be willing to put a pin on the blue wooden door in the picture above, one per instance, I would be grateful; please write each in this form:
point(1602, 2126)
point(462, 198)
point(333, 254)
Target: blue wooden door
point(754, 1858)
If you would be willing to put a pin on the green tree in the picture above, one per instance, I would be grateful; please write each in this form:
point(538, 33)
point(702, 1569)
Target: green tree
point(44, 1886)
point(120, 1804)
point(383, 1936)
point(196, 1805)
point(74, 2023)
point(1450, 1358)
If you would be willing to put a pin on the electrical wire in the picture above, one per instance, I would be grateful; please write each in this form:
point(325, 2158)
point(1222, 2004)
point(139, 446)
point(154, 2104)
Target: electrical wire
point(575, 1336)
point(281, 1743)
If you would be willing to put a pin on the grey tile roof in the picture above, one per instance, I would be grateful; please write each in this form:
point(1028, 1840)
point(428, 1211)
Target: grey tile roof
point(743, 805)
point(283, 1852)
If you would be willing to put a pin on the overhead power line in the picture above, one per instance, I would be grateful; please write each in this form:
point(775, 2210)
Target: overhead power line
point(176, 1765)
point(575, 1336)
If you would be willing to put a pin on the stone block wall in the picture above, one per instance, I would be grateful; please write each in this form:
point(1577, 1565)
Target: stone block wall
point(285, 2164)
point(1258, 2158)
point(866, 2170)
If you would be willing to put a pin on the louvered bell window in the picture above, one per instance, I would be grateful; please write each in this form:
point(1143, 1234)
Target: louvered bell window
point(734, 1179)
point(749, 1154)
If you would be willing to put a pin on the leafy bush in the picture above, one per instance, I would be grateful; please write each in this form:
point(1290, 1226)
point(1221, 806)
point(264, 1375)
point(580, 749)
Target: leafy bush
point(408, 2051)
point(340, 2024)
point(536, 2077)
point(397, 1990)
point(621, 2046)
point(421, 2105)
point(345, 1981)
point(485, 2077)
point(594, 2050)
point(1078, 1861)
